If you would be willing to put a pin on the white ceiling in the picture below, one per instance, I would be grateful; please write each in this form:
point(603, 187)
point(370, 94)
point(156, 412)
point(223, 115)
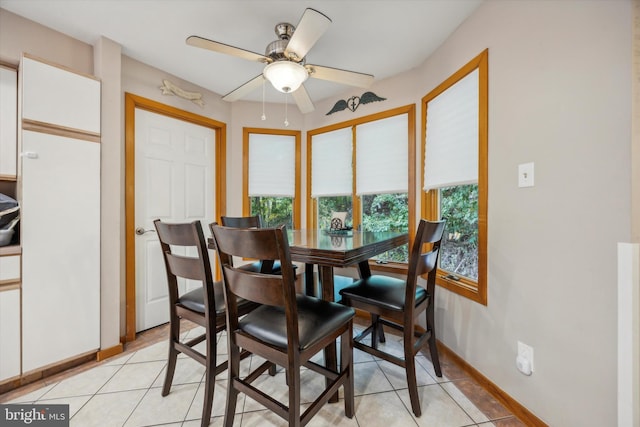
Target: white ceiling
point(382, 38)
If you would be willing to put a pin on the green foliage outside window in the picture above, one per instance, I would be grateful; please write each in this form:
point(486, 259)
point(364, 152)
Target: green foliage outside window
point(327, 205)
point(387, 212)
point(273, 211)
point(459, 253)
point(380, 212)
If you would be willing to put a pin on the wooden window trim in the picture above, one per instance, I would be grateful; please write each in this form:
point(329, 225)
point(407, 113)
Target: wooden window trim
point(246, 200)
point(476, 291)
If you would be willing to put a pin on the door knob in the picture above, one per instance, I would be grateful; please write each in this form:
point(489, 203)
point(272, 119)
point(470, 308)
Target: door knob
point(140, 231)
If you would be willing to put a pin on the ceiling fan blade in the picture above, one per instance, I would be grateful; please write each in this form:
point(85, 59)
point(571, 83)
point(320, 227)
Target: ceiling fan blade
point(245, 89)
point(302, 100)
point(351, 78)
point(226, 49)
point(311, 27)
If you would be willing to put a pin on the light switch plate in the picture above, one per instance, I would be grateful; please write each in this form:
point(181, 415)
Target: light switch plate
point(525, 175)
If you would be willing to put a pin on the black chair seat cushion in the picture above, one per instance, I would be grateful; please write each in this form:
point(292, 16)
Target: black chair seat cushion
point(382, 291)
point(194, 300)
point(316, 319)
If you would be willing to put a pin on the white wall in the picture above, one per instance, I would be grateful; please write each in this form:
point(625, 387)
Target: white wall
point(560, 96)
point(20, 35)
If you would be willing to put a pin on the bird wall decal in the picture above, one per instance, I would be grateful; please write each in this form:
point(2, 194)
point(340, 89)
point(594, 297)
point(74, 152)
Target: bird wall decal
point(355, 101)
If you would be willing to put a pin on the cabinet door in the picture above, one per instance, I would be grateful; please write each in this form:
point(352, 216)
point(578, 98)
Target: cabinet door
point(8, 122)
point(55, 96)
point(9, 333)
point(60, 232)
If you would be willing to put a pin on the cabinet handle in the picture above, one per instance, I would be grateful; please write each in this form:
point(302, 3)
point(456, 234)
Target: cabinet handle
point(140, 231)
point(29, 154)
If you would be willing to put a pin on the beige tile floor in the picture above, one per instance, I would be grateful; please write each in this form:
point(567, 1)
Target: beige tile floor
point(125, 392)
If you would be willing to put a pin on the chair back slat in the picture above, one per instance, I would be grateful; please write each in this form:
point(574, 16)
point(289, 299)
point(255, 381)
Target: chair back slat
point(185, 267)
point(250, 243)
point(256, 287)
point(177, 234)
point(427, 262)
point(241, 221)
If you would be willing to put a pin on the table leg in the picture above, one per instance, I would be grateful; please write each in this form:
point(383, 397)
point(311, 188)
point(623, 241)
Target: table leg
point(309, 284)
point(364, 269)
point(330, 352)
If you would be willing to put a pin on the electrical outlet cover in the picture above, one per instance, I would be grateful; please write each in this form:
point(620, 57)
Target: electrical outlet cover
point(525, 352)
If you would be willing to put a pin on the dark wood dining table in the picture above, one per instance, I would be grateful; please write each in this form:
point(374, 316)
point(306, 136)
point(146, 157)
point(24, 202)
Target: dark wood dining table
point(327, 251)
point(330, 250)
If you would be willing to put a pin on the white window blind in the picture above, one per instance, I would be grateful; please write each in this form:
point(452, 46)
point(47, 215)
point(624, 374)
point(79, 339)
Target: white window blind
point(272, 165)
point(331, 165)
point(382, 156)
point(451, 151)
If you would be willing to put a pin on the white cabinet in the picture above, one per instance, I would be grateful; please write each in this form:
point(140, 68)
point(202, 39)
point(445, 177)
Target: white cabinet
point(60, 214)
point(10, 270)
point(9, 316)
point(8, 122)
point(52, 95)
point(9, 333)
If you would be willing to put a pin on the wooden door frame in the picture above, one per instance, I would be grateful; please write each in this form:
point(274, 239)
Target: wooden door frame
point(132, 102)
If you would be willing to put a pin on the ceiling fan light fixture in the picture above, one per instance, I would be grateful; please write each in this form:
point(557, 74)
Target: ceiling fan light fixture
point(285, 76)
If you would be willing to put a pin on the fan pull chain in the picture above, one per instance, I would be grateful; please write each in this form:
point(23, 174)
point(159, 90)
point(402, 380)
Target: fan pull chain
point(286, 103)
point(263, 117)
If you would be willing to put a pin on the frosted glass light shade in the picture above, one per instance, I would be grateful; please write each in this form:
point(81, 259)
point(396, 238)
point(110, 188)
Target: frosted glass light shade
point(285, 76)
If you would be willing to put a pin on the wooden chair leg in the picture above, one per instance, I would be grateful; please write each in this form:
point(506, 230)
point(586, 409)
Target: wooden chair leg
point(381, 337)
point(209, 385)
point(413, 385)
point(433, 348)
point(210, 375)
point(377, 332)
point(346, 358)
point(233, 365)
point(410, 370)
point(293, 380)
point(174, 336)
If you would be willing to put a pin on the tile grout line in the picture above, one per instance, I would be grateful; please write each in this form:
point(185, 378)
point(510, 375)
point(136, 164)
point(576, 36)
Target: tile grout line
point(395, 390)
point(142, 398)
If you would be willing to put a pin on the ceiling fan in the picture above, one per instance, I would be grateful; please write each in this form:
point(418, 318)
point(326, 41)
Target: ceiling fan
point(286, 69)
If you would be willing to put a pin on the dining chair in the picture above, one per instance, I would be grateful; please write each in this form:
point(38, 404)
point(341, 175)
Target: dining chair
point(253, 221)
point(397, 303)
point(186, 257)
point(287, 329)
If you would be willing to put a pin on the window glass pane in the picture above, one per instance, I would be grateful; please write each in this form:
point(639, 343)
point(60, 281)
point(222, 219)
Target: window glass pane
point(273, 211)
point(387, 212)
point(327, 205)
point(459, 250)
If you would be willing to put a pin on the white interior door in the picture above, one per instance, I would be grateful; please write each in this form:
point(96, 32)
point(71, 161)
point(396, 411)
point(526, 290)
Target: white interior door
point(174, 181)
